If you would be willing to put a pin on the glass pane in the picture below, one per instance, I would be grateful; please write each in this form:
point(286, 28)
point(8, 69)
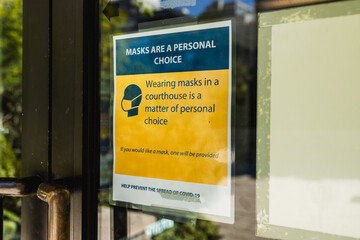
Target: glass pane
point(132, 18)
point(11, 102)
point(126, 221)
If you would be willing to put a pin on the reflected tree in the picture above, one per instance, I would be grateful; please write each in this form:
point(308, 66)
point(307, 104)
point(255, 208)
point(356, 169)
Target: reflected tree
point(10, 114)
point(202, 230)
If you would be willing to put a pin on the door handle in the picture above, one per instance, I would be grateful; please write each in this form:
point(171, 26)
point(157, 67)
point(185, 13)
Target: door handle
point(56, 196)
point(58, 199)
point(19, 187)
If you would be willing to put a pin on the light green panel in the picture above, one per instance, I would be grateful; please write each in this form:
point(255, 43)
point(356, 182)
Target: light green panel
point(308, 113)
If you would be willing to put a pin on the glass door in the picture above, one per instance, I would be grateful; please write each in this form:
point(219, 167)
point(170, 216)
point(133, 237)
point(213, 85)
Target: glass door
point(147, 52)
point(45, 112)
point(154, 20)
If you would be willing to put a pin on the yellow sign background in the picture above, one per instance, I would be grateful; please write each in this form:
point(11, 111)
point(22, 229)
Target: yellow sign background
point(205, 132)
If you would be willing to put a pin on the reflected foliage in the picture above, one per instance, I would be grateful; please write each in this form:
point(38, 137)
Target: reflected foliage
point(203, 230)
point(126, 22)
point(10, 113)
point(10, 86)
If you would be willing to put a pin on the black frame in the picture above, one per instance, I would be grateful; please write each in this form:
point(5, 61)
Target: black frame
point(35, 120)
point(60, 138)
point(91, 118)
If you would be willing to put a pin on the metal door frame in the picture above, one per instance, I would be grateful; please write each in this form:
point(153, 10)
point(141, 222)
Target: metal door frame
point(60, 138)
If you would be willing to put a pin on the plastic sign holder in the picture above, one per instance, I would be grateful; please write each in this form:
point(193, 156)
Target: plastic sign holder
point(173, 99)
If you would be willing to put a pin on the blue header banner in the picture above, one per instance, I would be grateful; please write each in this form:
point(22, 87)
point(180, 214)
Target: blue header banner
point(195, 50)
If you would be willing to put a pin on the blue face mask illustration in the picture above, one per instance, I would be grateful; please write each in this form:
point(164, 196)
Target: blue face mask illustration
point(131, 100)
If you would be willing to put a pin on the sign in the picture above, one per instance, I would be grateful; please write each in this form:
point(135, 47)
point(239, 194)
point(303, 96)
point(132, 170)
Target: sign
point(172, 118)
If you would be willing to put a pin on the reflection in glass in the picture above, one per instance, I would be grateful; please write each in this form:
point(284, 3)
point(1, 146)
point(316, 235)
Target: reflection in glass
point(134, 17)
point(10, 112)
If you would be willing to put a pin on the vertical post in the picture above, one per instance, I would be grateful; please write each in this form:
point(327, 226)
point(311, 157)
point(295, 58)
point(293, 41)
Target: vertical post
point(35, 105)
point(67, 108)
point(120, 223)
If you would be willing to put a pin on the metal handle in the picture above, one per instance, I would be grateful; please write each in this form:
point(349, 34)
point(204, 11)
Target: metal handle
point(58, 199)
point(16, 187)
point(19, 187)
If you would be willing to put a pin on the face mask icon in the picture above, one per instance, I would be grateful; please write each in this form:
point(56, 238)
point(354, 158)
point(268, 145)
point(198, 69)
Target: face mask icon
point(131, 100)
